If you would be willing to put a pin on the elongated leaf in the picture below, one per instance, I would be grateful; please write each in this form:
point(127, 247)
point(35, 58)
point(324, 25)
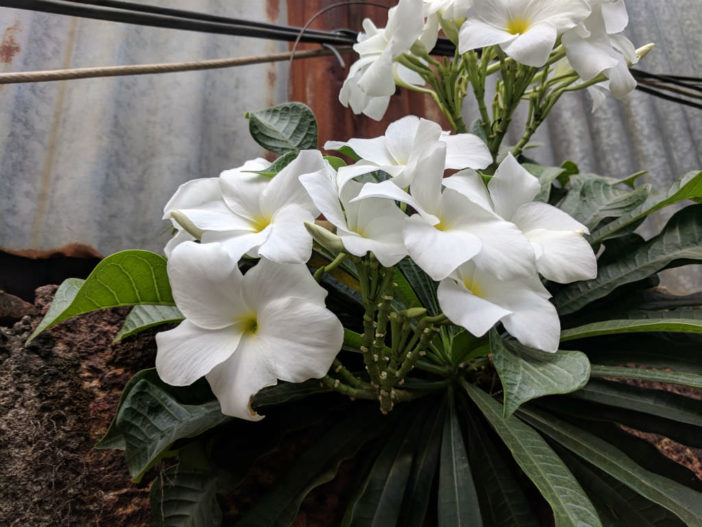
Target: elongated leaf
point(680, 242)
point(151, 418)
point(316, 466)
point(422, 285)
point(655, 402)
point(503, 501)
point(570, 504)
point(126, 278)
point(670, 377)
point(288, 127)
point(528, 373)
point(682, 501)
point(285, 392)
point(458, 504)
point(141, 318)
point(647, 325)
point(182, 497)
point(687, 187)
point(424, 467)
point(621, 506)
point(592, 199)
point(379, 503)
point(64, 297)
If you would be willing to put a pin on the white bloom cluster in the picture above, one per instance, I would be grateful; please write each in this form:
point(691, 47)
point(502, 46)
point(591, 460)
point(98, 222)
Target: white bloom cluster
point(485, 244)
point(525, 30)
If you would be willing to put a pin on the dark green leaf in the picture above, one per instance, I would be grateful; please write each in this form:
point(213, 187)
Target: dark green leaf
point(185, 497)
point(422, 285)
point(285, 392)
point(458, 501)
point(655, 402)
point(684, 502)
point(335, 162)
point(687, 187)
point(527, 373)
point(141, 318)
point(592, 199)
point(570, 504)
point(379, 503)
point(679, 243)
point(503, 501)
point(316, 466)
point(277, 165)
point(647, 325)
point(288, 127)
point(669, 377)
point(126, 278)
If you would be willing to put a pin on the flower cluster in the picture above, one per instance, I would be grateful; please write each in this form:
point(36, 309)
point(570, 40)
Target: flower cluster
point(485, 244)
point(586, 34)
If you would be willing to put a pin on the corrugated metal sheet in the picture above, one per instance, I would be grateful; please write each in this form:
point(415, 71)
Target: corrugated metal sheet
point(93, 161)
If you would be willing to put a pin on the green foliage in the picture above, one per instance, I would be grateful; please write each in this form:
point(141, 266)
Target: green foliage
point(277, 165)
point(528, 373)
point(126, 278)
point(288, 127)
point(144, 317)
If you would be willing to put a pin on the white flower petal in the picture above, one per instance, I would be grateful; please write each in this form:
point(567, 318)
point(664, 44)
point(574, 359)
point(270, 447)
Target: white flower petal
point(511, 186)
point(477, 34)
point(301, 338)
point(178, 238)
point(589, 58)
point(463, 308)
point(285, 188)
point(322, 189)
point(288, 241)
point(216, 216)
point(466, 151)
point(534, 46)
point(205, 281)
point(615, 16)
point(188, 352)
point(399, 138)
point(426, 186)
point(238, 243)
point(372, 150)
point(437, 252)
point(235, 381)
point(193, 194)
point(470, 184)
point(563, 256)
point(537, 215)
point(534, 320)
point(268, 281)
point(388, 190)
point(241, 187)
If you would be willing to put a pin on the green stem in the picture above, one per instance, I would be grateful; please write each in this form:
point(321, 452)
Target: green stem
point(329, 267)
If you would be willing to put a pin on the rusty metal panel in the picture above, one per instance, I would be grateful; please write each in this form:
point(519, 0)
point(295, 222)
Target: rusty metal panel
point(93, 161)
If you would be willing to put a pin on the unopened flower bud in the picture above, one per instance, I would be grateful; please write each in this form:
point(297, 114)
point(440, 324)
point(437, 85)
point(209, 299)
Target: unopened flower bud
point(414, 312)
point(325, 238)
point(644, 50)
point(187, 225)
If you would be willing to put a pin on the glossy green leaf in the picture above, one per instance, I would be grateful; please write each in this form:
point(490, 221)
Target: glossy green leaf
point(503, 501)
point(125, 278)
point(617, 504)
point(682, 501)
point(655, 402)
point(647, 325)
point(424, 468)
point(570, 504)
point(422, 285)
point(458, 504)
point(277, 165)
point(593, 198)
point(687, 187)
point(680, 242)
point(668, 377)
point(141, 318)
point(380, 501)
point(319, 464)
point(182, 497)
point(288, 127)
point(285, 392)
point(527, 373)
point(152, 416)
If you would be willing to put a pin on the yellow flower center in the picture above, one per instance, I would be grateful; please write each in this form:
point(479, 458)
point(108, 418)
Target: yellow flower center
point(517, 26)
point(473, 287)
point(260, 222)
point(249, 323)
point(442, 225)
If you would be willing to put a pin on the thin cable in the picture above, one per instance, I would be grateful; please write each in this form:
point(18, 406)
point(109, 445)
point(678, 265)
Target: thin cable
point(146, 69)
point(667, 97)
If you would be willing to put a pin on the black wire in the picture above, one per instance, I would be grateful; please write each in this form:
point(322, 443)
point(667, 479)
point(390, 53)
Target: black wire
point(667, 97)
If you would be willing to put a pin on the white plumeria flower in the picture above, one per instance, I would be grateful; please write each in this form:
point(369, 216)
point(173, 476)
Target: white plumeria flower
point(368, 225)
point(371, 79)
point(477, 300)
point(448, 9)
point(204, 194)
point(595, 47)
point(261, 216)
point(526, 30)
point(449, 229)
point(405, 144)
point(244, 332)
point(562, 253)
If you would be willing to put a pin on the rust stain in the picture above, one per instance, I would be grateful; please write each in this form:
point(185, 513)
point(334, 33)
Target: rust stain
point(44, 188)
point(71, 250)
point(8, 45)
point(273, 10)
